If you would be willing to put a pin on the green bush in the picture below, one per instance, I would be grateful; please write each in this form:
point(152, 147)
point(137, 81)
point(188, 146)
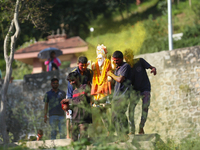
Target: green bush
point(186, 42)
point(156, 35)
point(65, 64)
point(162, 6)
point(21, 69)
point(196, 10)
point(2, 65)
point(190, 37)
point(191, 32)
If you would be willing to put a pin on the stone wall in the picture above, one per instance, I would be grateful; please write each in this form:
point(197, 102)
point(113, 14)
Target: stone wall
point(175, 102)
point(25, 102)
point(174, 111)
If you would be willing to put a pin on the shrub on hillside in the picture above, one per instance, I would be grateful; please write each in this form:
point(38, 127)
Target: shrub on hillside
point(190, 37)
point(130, 36)
point(191, 32)
point(156, 35)
point(192, 41)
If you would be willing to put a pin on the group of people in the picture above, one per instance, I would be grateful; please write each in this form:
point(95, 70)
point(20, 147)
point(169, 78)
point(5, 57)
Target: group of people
point(121, 78)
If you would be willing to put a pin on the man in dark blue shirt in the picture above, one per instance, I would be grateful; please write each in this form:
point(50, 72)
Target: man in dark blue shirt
point(141, 85)
point(85, 75)
point(121, 94)
point(52, 101)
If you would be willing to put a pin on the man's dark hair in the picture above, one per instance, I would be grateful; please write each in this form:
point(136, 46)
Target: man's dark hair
point(82, 59)
point(54, 79)
point(117, 54)
point(72, 76)
point(40, 132)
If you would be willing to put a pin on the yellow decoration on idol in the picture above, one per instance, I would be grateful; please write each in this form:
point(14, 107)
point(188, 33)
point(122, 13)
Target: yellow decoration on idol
point(101, 86)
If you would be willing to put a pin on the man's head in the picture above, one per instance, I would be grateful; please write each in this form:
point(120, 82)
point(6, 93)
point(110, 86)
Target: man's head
point(128, 55)
point(52, 54)
point(40, 133)
point(82, 63)
point(73, 79)
point(101, 54)
point(55, 83)
point(117, 58)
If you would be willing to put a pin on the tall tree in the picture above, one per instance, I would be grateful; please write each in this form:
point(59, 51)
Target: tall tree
point(24, 10)
point(11, 38)
point(32, 21)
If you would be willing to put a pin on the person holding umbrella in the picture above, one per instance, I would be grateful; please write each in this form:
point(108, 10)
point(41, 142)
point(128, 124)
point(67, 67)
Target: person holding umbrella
point(53, 62)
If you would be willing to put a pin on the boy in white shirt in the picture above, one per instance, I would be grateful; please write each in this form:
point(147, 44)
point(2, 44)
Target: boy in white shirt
point(69, 123)
point(69, 119)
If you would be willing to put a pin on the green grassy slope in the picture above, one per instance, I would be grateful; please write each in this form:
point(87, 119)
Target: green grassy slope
point(144, 29)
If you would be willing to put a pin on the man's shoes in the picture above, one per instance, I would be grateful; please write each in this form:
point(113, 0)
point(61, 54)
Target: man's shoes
point(141, 131)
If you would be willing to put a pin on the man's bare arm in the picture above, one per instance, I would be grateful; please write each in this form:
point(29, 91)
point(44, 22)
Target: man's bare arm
point(119, 79)
point(64, 101)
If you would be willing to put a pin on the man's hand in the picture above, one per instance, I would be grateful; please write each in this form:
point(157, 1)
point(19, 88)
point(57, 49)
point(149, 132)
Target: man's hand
point(153, 70)
point(45, 118)
point(109, 73)
point(64, 101)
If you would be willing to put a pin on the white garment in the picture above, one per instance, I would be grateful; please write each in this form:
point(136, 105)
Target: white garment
point(69, 116)
point(31, 134)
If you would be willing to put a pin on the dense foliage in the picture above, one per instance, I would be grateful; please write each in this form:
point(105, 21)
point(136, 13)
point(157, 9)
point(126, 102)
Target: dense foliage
point(118, 24)
point(39, 18)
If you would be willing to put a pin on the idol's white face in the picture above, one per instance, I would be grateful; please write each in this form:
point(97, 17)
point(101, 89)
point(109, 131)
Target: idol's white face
point(100, 60)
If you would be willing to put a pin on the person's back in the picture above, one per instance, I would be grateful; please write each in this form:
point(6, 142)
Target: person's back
point(140, 79)
point(141, 85)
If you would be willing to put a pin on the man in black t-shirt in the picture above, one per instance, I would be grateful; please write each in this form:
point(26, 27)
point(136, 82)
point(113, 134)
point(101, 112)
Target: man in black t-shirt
point(141, 85)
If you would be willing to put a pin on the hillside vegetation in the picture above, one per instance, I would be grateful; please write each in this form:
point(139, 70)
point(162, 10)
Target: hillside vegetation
point(143, 28)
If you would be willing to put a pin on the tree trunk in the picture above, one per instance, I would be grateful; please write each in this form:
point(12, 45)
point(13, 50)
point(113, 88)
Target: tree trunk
point(190, 3)
point(9, 59)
